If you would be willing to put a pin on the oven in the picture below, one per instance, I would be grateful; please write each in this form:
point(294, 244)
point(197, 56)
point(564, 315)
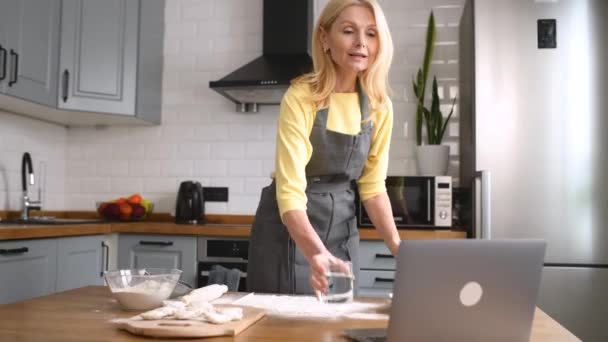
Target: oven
point(229, 252)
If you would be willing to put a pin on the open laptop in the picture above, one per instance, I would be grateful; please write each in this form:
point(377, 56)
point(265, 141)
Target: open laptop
point(462, 290)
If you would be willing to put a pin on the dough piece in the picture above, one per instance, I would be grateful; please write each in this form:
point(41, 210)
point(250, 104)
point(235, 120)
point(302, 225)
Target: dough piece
point(200, 306)
point(205, 294)
point(190, 312)
point(174, 304)
point(222, 315)
point(235, 314)
point(186, 314)
point(216, 317)
point(158, 313)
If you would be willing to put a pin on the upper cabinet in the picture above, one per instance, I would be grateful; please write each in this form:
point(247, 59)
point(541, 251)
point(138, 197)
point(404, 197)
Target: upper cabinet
point(3, 39)
point(84, 59)
point(99, 55)
point(29, 49)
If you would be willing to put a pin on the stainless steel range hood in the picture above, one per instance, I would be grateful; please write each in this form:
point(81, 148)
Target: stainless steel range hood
point(286, 55)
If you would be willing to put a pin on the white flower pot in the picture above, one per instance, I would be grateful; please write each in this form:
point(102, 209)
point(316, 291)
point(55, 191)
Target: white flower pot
point(432, 160)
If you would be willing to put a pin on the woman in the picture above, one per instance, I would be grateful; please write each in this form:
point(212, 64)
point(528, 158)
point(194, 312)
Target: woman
point(333, 134)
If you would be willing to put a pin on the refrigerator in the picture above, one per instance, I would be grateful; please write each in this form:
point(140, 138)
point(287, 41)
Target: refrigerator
point(534, 142)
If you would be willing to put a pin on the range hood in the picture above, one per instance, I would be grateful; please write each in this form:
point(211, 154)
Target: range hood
point(286, 55)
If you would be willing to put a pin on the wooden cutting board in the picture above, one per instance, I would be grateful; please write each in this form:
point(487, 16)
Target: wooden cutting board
point(183, 328)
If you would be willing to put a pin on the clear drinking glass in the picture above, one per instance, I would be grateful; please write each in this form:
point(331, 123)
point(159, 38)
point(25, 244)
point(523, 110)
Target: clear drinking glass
point(340, 281)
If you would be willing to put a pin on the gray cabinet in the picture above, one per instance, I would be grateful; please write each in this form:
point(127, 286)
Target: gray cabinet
point(377, 269)
point(159, 251)
point(3, 44)
point(81, 261)
point(29, 50)
point(111, 57)
point(27, 269)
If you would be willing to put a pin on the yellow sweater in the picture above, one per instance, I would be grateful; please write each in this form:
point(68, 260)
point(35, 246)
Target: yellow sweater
point(294, 149)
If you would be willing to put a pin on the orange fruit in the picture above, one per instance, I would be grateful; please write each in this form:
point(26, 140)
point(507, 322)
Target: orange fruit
point(125, 211)
point(134, 199)
point(121, 200)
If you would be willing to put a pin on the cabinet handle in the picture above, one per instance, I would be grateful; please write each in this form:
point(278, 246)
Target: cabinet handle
point(15, 75)
point(3, 68)
point(384, 256)
point(106, 256)
point(65, 82)
point(384, 280)
point(156, 243)
point(14, 251)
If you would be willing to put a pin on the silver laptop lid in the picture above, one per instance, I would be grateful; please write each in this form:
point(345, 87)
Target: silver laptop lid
point(465, 290)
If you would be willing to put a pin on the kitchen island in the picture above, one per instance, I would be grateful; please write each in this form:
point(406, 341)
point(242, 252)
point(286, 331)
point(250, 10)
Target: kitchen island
point(83, 315)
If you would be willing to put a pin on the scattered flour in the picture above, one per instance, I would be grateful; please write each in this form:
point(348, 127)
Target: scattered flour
point(309, 307)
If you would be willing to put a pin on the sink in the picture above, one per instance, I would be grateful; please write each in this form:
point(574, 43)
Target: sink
point(48, 221)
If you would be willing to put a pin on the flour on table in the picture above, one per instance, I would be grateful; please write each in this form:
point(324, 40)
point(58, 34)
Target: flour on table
point(307, 307)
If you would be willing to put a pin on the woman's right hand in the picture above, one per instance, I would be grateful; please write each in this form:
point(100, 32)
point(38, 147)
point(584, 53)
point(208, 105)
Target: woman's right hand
point(319, 266)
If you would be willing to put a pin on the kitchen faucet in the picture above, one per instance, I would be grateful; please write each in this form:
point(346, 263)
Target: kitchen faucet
point(26, 163)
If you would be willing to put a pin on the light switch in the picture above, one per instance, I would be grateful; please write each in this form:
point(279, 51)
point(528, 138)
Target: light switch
point(547, 34)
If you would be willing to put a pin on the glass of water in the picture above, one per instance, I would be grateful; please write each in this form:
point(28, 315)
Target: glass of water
point(340, 281)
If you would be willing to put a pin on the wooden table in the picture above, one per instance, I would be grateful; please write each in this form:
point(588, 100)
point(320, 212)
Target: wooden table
point(83, 315)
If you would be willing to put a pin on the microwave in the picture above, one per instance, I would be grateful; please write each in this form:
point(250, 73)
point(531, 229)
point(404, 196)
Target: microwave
point(417, 201)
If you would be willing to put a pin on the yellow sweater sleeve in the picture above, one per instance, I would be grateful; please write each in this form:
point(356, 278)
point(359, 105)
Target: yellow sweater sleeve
point(372, 180)
point(296, 117)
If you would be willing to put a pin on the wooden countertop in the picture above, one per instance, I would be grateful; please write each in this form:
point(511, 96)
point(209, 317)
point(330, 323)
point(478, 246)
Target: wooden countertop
point(233, 228)
point(84, 314)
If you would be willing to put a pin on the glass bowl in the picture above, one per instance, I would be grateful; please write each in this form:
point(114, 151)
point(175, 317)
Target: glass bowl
point(142, 289)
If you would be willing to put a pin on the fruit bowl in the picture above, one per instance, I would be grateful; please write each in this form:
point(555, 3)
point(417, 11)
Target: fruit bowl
point(132, 208)
point(142, 289)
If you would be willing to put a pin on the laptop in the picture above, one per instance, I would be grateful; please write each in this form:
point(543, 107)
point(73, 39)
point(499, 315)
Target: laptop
point(462, 290)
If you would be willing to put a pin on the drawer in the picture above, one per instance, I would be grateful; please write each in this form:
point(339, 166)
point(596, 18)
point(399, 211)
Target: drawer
point(377, 284)
point(159, 251)
point(371, 279)
point(375, 293)
point(375, 255)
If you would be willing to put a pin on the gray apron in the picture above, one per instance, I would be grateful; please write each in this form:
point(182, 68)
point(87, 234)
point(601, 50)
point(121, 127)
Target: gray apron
point(275, 263)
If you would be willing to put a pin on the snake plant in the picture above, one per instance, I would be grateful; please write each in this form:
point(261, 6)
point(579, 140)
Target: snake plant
point(432, 118)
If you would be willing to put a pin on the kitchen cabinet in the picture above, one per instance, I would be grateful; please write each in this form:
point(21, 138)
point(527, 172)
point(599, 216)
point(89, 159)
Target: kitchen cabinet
point(36, 267)
point(28, 269)
point(111, 57)
point(29, 49)
point(81, 261)
point(377, 269)
point(159, 251)
point(77, 62)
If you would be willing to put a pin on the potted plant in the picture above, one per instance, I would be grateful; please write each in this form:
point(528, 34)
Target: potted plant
point(432, 157)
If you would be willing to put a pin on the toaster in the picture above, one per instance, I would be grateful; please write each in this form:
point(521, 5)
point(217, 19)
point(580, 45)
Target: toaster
point(189, 207)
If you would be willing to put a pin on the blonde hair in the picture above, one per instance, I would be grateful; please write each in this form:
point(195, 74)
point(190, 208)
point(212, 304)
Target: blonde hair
point(374, 80)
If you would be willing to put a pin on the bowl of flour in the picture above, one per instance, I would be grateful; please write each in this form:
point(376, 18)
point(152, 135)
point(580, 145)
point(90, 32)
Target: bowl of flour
point(142, 289)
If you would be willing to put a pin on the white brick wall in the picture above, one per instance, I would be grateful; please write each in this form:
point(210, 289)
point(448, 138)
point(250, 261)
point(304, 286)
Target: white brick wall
point(47, 146)
point(202, 137)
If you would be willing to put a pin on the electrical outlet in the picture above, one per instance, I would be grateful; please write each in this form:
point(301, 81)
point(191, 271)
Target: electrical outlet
point(215, 194)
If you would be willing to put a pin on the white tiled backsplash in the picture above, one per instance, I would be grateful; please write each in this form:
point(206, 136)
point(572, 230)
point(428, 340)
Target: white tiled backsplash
point(201, 136)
